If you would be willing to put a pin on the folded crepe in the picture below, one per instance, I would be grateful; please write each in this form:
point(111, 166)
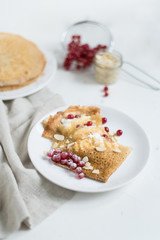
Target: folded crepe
point(101, 149)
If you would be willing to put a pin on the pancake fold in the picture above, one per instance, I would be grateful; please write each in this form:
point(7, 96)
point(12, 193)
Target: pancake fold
point(102, 149)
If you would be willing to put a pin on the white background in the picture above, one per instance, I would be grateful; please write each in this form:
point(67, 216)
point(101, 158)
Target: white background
point(132, 212)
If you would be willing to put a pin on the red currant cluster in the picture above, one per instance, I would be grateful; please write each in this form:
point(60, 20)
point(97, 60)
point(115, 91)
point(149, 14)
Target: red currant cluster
point(81, 54)
point(69, 159)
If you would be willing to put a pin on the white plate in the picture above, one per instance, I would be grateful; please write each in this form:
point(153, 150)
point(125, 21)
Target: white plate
point(49, 72)
point(133, 136)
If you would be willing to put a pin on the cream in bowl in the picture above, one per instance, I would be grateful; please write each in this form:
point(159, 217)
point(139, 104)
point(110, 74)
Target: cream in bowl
point(107, 67)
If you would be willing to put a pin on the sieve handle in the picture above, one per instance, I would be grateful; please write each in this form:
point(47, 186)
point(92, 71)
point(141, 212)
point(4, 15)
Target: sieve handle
point(145, 73)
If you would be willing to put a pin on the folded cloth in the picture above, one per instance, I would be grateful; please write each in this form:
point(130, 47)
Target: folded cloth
point(25, 196)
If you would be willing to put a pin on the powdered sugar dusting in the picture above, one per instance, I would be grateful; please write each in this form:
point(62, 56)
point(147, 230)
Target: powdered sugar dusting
point(96, 136)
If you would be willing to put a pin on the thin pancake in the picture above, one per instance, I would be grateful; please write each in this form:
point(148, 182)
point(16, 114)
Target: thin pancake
point(10, 88)
point(20, 60)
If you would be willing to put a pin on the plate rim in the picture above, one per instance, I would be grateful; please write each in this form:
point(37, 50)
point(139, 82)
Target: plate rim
point(34, 90)
point(92, 190)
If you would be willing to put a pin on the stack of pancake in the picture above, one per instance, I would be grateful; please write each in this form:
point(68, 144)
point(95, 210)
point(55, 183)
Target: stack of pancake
point(21, 62)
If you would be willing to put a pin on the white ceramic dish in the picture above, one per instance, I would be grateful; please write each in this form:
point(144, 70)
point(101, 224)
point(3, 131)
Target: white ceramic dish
point(133, 136)
point(49, 72)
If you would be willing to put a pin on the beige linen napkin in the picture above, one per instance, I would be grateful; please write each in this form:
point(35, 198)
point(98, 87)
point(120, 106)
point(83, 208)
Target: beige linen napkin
point(25, 196)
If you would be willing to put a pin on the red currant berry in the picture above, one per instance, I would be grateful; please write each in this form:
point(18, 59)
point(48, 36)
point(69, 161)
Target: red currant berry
point(77, 116)
point(89, 123)
point(50, 153)
point(73, 166)
point(81, 163)
point(70, 154)
point(105, 136)
point(56, 158)
point(105, 89)
point(58, 150)
point(69, 162)
point(106, 129)
point(70, 116)
point(119, 132)
point(64, 155)
point(106, 94)
point(76, 158)
point(78, 169)
point(81, 175)
point(104, 120)
point(64, 161)
point(78, 67)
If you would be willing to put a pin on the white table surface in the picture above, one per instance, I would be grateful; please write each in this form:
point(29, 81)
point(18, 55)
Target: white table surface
point(131, 212)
